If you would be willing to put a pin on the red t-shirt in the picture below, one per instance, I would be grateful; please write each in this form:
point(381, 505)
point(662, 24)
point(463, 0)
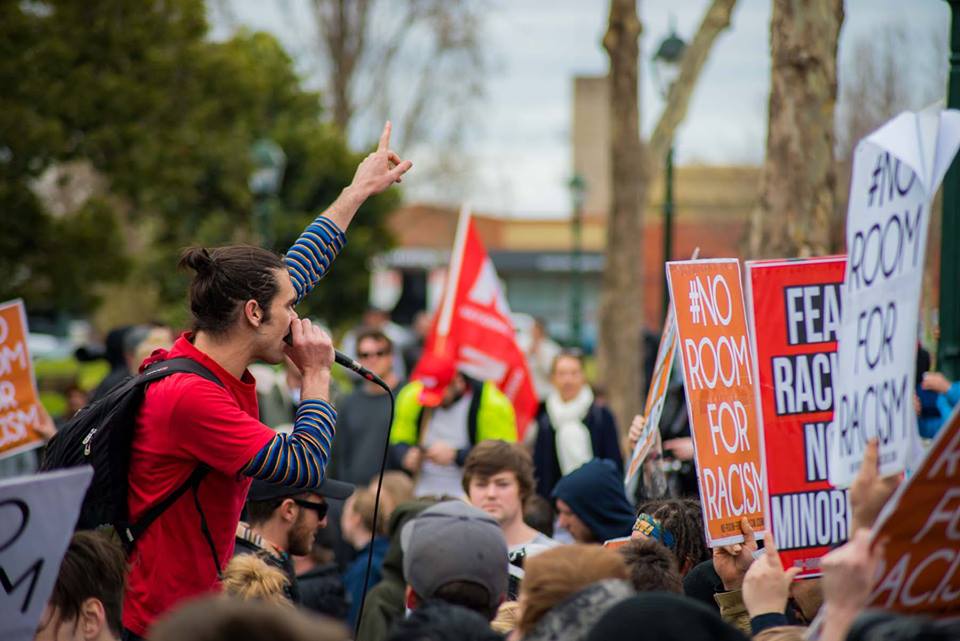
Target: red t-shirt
point(185, 420)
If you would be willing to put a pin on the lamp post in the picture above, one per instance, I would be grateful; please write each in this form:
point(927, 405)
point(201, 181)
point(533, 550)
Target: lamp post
point(948, 348)
point(269, 162)
point(578, 192)
point(666, 68)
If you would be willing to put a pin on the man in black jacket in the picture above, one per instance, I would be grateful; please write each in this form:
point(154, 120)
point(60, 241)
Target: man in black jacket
point(282, 521)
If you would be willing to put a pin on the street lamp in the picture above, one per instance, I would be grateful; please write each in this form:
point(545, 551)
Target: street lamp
point(666, 68)
point(578, 193)
point(269, 162)
point(948, 348)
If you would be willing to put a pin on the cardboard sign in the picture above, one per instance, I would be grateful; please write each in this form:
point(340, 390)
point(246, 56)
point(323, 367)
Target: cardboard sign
point(656, 395)
point(20, 411)
point(896, 171)
point(794, 308)
point(920, 572)
point(37, 515)
point(721, 402)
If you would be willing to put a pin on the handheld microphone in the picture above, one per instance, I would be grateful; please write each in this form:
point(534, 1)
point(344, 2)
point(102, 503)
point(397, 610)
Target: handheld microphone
point(345, 361)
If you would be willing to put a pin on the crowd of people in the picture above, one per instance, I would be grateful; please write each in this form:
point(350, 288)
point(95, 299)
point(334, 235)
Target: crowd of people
point(475, 531)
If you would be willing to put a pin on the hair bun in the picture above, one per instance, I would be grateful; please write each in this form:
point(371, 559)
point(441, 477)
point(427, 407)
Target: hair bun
point(199, 260)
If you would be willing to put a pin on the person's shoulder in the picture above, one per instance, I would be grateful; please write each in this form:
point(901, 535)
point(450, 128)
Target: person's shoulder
point(601, 412)
point(491, 390)
point(191, 392)
point(410, 392)
point(543, 540)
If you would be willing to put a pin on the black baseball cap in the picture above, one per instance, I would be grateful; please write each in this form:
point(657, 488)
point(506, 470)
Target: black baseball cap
point(329, 489)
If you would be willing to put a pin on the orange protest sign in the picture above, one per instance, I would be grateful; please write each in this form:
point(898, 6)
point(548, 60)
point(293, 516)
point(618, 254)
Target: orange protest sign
point(920, 572)
point(19, 405)
point(717, 374)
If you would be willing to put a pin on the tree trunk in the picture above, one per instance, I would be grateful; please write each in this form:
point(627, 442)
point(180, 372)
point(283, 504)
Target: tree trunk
point(634, 166)
point(797, 197)
point(621, 308)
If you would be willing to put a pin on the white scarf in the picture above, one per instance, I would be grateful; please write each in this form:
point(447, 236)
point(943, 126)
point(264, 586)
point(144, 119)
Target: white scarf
point(574, 447)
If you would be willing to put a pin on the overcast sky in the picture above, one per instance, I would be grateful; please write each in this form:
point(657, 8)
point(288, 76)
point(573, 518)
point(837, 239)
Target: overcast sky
point(519, 145)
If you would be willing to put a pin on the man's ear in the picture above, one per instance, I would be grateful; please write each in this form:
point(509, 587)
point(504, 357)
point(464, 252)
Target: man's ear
point(410, 598)
point(253, 313)
point(92, 618)
point(288, 510)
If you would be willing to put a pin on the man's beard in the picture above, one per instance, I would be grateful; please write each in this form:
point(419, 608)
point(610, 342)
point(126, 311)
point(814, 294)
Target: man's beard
point(300, 538)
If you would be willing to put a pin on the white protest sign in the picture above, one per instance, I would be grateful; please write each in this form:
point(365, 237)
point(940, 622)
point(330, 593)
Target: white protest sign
point(37, 515)
point(896, 172)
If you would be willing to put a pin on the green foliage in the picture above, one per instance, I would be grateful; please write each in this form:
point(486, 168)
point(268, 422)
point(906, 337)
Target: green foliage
point(167, 118)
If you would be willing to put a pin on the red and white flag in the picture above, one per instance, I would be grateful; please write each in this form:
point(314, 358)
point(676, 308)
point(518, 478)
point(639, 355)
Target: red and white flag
point(474, 324)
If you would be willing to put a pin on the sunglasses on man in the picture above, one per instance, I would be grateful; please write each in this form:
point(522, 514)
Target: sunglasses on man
point(380, 353)
point(319, 508)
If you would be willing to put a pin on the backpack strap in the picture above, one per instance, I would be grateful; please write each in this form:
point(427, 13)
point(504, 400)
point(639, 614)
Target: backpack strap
point(130, 532)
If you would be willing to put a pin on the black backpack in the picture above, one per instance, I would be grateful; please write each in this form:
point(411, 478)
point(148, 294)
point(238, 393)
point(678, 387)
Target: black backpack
point(101, 435)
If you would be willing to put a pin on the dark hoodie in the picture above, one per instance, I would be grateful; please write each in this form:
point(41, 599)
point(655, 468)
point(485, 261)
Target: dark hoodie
point(595, 493)
point(663, 616)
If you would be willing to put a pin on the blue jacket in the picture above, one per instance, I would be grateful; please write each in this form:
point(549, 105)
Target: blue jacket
point(353, 577)
point(603, 437)
point(930, 425)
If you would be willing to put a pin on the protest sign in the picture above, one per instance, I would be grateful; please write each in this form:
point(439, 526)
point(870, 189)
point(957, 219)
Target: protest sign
point(474, 324)
point(794, 311)
point(20, 411)
point(37, 515)
point(715, 354)
point(920, 570)
point(656, 395)
point(617, 543)
point(896, 171)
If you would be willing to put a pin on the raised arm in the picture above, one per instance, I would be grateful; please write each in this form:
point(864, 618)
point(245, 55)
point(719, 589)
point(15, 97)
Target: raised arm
point(309, 258)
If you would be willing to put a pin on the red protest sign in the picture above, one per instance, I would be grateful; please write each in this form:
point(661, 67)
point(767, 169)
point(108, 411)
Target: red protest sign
point(794, 308)
point(474, 325)
point(20, 412)
point(920, 572)
point(718, 377)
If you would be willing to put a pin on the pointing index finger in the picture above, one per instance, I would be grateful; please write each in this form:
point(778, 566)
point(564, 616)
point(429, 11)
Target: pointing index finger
point(385, 137)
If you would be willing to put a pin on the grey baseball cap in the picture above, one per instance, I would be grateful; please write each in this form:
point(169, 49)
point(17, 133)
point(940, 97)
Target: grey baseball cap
point(454, 541)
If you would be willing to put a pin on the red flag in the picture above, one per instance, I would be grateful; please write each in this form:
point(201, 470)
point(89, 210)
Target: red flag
point(474, 324)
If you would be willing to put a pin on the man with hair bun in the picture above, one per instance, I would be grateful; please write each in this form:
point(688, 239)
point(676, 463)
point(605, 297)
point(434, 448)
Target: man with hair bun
point(242, 299)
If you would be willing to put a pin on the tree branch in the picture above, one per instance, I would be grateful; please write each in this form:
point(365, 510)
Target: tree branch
point(715, 21)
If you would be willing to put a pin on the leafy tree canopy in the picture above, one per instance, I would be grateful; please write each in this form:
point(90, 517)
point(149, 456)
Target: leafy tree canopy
point(167, 118)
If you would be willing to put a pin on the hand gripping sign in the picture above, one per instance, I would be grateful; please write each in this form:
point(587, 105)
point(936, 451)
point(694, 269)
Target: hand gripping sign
point(718, 377)
point(896, 171)
point(794, 309)
point(37, 515)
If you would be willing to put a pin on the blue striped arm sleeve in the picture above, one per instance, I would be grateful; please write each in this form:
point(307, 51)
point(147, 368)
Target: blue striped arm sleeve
point(311, 256)
point(298, 459)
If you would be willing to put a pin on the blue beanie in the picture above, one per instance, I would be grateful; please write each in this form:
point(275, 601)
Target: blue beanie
point(595, 493)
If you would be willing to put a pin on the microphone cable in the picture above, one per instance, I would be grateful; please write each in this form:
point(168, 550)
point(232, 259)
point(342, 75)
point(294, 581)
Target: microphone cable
point(362, 371)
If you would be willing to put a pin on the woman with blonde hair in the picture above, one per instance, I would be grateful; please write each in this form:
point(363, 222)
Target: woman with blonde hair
point(248, 578)
point(567, 589)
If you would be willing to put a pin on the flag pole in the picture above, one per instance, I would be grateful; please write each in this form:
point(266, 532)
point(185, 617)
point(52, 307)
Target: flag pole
point(453, 280)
